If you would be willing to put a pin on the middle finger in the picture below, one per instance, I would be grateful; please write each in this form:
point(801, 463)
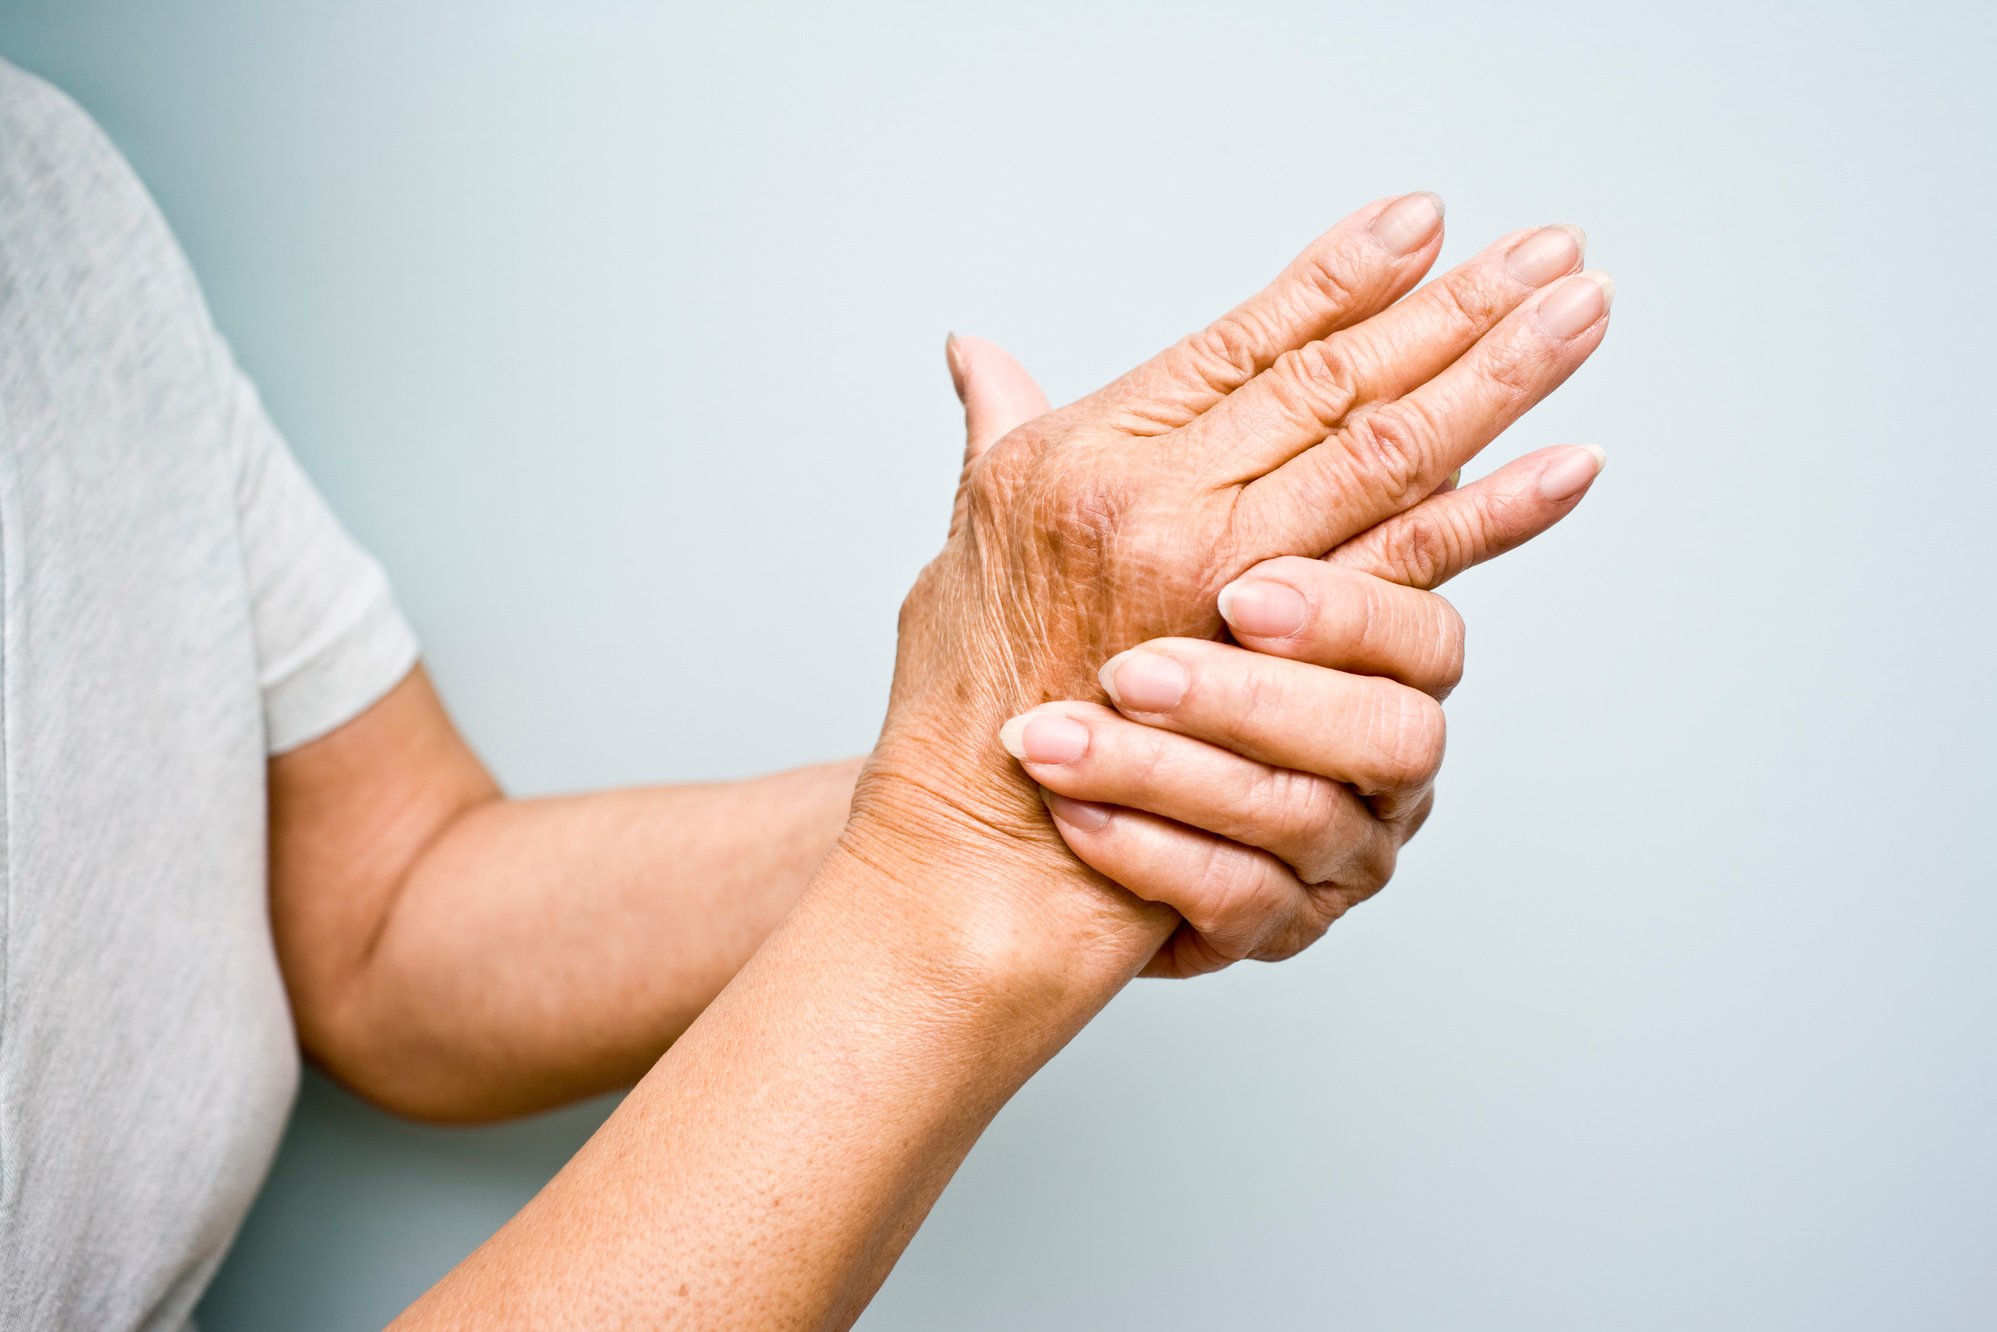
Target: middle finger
point(1307, 392)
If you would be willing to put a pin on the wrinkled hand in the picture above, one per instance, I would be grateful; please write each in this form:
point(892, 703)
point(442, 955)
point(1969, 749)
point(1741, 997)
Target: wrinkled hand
point(1265, 789)
point(1261, 815)
point(1308, 415)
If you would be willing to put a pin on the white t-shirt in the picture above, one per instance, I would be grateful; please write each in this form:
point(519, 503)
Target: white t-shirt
point(178, 605)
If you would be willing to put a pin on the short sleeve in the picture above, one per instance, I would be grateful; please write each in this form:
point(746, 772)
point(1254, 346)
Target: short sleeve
point(330, 639)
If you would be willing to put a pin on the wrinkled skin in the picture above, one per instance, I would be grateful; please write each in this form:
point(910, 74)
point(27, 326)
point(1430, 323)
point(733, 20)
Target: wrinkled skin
point(1233, 802)
point(1300, 420)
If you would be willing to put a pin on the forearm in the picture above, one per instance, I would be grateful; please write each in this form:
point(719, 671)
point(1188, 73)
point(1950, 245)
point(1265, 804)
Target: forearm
point(772, 1166)
point(538, 951)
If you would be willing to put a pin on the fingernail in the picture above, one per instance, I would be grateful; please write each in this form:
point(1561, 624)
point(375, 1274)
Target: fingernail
point(1044, 737)
point(956, 370)
point(1076, 813)
point(1576, 303)
point(1144, 681)
point(1262, 609)
point(1546, 254)
point(1405, 225)
point(1570, 473)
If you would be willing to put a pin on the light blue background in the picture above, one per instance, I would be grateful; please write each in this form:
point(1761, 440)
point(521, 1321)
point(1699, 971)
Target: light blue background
point(596, 322)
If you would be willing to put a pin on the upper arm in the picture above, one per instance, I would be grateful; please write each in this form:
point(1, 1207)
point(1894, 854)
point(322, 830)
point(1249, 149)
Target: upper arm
point(350, 813)
point(366, 768)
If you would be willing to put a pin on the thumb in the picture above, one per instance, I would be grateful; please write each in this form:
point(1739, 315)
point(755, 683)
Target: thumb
point(997, 393)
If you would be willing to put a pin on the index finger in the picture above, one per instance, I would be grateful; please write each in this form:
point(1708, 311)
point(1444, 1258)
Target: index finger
point(1385, 460)
point(1358, 268)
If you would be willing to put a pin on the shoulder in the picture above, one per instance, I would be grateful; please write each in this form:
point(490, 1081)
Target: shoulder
point(54, 153)
point(91, 277)
point(26, 100)
point(71, 209)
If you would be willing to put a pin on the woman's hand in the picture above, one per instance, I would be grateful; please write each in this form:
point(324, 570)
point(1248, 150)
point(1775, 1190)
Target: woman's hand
point(771, 1167)
point(1263, 790)
point(1305, 417)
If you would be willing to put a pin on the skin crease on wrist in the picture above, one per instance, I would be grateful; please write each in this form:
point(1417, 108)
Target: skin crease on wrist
point(771, 1167)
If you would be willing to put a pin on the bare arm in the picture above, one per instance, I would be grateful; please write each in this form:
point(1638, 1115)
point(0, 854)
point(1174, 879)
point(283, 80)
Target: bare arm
point(453, 954)
point(771, 1168)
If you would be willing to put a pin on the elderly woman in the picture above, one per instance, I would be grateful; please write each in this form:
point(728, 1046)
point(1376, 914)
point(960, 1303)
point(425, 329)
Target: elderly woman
point(1168, 698)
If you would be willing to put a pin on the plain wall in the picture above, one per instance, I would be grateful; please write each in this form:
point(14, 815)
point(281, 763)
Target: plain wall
point(592, 320)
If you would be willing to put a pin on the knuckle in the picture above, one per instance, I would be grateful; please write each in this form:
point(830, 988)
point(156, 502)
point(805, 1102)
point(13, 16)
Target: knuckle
point(1409, 737)
point(1223, 354)
point(1393, 448)
point(1470, 301)
point(1372, 866)
point(1227, 903)
point(1305, 930)
point(1517, 372)
point(1452, 634)
point(1407, 828)
point(1417, 547)
point(1353, 854)
point(1323, 908)
point(1323, 276)
point(1500, 521)
point(1300, 809)
point(1315, 383)
point(1438, 542)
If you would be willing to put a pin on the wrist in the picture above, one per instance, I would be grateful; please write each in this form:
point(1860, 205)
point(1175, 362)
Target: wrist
point(984, 899)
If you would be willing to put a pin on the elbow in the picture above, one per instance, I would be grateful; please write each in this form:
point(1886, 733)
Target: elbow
point(396, 1066)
